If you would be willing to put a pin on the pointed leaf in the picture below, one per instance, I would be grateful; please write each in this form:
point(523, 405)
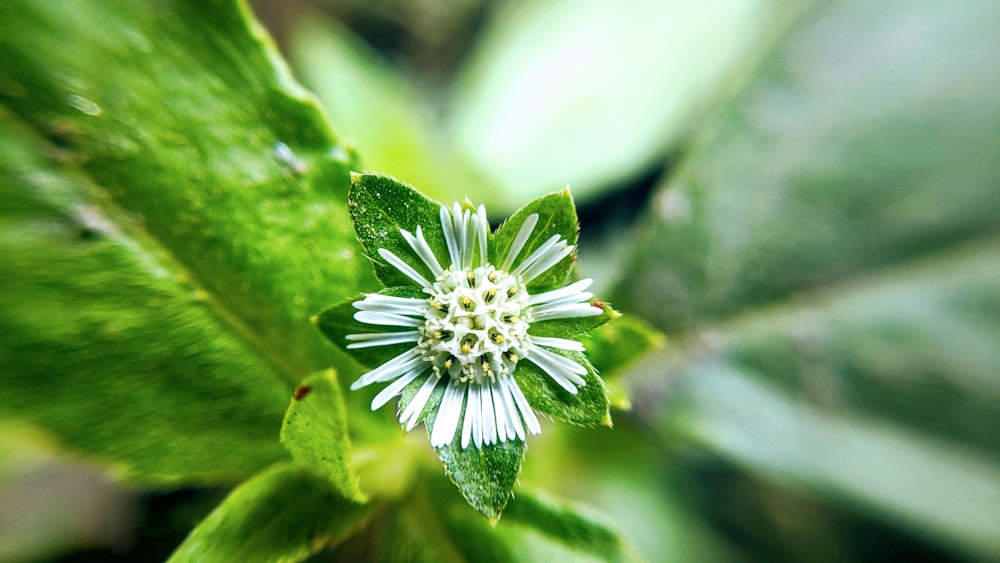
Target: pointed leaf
point(556, 216)
point(589, 406)
point(380, 206)
point(315, 432)
point(283, 514)
point(485, 476)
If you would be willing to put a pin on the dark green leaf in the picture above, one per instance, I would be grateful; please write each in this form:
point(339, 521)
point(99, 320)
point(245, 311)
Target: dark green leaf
point(486, 475)
point(283, 514)
point(315, 432)
point(556, 216)
point(380, 206)
point(589, 406)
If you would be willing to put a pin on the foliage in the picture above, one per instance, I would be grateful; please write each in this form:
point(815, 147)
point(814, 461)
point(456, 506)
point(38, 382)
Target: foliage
point(820, 252)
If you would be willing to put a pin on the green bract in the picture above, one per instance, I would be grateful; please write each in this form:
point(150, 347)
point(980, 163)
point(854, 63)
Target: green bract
point(475, 330)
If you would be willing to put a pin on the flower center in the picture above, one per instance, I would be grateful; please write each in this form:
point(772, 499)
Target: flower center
point(475, 326)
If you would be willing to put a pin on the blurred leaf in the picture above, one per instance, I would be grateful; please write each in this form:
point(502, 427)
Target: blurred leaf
point(108, 342)
point(929, 485)
point(573, 527)
point(866, 142)
point(590, 93)
point(614, 347)
point(315, 432)
point(868, 137)
point(380, 111)
point(283, 514)
point(168, 239)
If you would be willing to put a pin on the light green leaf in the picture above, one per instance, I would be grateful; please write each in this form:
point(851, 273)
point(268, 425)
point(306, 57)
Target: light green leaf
point(589, 406)
point(385, 116)
point(166, 250)
point(556, 216)
point(283, 514)
point(591, 93)
point(381, 206)
point(579, 529)
point(612, 348)
point(315, 432)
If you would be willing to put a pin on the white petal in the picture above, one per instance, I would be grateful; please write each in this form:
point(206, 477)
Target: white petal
point(561, 343)
point(396, 387)
point(500, 414)
point(483, 223)
point(543, 264)
point(527, 227)
point(530, 420)
point(566, 312)
point(489, 417)
point(514, 426)
point(391, 369)
point(570, 290)
point(448, 413)
point(411, 414)
point(371, 339)
point(403, 267)
point(467, 420)
point(423, 250)
point(468, 245)
point(386, 319)
point(545, 248)
point(476, 405)
point(448, 227)
point(405, 306)
point(562, 370)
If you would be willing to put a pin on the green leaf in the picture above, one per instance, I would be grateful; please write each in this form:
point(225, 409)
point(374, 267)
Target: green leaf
point(826, 256)
point(556, 216)
point(577, 528)
point(163, 266)
point(283, 514)
point(381, 206)
point(109, 343)
point(384, 115)
point(612, 348)
point(315, 432)
point(485, 475)
point(589, 406)
point(652, 70)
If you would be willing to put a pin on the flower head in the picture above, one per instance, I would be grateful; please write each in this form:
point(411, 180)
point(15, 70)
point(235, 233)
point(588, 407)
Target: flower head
point(475, 330)
point(472, 329)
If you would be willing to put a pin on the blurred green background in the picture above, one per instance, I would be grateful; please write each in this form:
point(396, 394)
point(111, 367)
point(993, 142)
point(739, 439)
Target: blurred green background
point(804, 197)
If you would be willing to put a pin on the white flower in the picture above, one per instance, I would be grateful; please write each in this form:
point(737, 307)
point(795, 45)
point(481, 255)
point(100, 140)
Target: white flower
point(472, 330)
